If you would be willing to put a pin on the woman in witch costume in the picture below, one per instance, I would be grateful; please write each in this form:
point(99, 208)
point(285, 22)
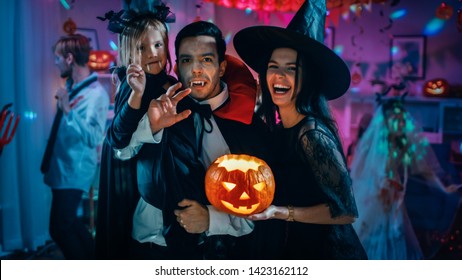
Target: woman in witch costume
point(142, 74)
point(314, 207)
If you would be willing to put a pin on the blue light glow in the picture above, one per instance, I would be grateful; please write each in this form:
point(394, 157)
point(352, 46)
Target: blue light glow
point(248, 11)
point(65, 4)
point(29, 115)
point(338, 49)
point(353, 8)
point(113, 45)
point(434, 26)
point(398, 14)
point(354, 90)
point(228, 37)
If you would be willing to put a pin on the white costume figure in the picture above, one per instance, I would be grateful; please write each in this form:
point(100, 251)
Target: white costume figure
point(391, 150)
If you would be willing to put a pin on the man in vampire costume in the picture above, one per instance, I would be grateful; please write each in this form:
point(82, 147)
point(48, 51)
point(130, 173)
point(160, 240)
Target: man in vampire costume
point(182, 135)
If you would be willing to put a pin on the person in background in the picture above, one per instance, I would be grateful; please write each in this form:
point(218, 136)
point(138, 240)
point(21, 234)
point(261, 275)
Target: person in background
point(190, 129)
point(314, 207)
point(391, 157)
point(142, 76)
point(70, 161)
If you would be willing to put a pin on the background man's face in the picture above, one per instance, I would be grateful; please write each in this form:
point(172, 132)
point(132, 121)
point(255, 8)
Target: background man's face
point(199, 68)
point(65, 70)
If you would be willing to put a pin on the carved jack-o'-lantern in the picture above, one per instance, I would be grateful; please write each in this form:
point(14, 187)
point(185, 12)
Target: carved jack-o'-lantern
point(436, 87)
point(100, 60)
point(239, 184)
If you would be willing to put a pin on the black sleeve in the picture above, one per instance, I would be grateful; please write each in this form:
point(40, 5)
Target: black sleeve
point(125, 120)
point(322, 154)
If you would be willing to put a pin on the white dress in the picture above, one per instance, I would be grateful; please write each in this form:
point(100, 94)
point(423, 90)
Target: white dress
point(379, 171)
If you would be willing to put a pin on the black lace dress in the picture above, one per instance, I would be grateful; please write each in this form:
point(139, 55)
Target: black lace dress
point(309, 170)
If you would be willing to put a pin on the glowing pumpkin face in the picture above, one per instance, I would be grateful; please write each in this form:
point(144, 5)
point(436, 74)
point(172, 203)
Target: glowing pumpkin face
point(239, 184)
point(436, 87)
point(100, 60)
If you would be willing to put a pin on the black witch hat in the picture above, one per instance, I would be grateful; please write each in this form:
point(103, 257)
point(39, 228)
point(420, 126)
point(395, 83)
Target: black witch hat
point(305, 33)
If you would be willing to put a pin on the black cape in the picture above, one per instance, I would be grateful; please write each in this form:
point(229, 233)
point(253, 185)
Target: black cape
point(118, 192)
point(178, 174)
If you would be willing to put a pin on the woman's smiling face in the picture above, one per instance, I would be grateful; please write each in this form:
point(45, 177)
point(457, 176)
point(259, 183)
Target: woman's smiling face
point(281, 75)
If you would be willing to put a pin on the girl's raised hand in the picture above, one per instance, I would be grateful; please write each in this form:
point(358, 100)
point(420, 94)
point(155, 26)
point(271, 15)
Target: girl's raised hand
point(136, 78)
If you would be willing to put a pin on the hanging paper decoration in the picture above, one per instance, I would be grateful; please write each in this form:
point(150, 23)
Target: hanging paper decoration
point(444, 11)
point(198, 12)
point(259, 5)
point(284, 18)
point(358, 48)
point(294, 5)
point(388, 26)
point(264, 17)
point(336, 8)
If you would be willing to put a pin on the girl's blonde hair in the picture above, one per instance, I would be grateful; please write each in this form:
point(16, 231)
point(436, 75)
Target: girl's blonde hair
point(131, 37)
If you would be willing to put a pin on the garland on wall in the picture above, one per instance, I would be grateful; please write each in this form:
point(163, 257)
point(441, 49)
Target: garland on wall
point(293, 5)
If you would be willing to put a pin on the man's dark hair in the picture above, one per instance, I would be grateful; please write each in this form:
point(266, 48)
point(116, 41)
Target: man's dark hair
point(202, 28)
point(76, 44)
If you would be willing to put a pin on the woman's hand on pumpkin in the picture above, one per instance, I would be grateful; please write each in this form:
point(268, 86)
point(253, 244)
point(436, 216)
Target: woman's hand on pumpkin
point(162, 111)
point(272, 212)
point(194, 217)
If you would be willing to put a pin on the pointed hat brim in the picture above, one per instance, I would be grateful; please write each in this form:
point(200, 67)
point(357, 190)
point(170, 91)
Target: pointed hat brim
point(254, 44)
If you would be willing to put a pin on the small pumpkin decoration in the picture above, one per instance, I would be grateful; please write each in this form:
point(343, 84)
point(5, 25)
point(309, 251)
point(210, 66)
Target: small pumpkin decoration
point(436, 88)
point(240, 184)
point(69, 26)
point(356, 78)
point(444, 11)
point(100, 60)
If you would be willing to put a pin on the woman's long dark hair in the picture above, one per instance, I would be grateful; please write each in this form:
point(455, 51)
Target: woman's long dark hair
point(310, 101)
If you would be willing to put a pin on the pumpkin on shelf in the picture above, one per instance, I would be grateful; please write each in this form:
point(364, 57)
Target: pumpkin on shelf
point(100, 60)
point(436, 88)
point(240, 184)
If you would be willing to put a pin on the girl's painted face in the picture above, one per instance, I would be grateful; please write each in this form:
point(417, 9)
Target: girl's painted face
point(151, 52)
point(280, 77)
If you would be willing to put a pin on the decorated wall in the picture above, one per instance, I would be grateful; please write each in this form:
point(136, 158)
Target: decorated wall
point(361, 34)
